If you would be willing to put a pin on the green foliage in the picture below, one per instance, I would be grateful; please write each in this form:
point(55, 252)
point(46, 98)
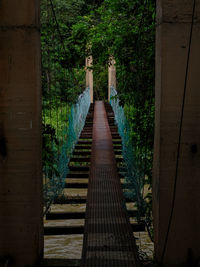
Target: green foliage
point(100, 81)
point(50, 143)
point(62, 77)
point(126, 30)
point(122, 28)
point(63, 72)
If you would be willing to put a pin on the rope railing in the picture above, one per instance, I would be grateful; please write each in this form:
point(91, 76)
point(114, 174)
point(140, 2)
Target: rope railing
point(134, 175)
point(54, 180)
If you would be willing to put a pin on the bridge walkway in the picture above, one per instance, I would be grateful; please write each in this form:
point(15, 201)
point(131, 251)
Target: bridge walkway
point(108, 235)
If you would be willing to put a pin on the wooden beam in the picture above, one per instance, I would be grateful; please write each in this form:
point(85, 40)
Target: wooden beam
point(79, 229)
point(60, 263)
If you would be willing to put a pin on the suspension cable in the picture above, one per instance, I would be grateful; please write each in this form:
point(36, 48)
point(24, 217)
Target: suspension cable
point(58, 26)
point(179, 138)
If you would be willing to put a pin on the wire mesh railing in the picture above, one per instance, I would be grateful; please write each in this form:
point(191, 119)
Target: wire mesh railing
point(62, 147)
point(134, 172)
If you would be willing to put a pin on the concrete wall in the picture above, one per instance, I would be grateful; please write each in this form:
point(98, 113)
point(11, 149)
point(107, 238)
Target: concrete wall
point(89, 76)
point(172, 43)
point(111, 75)
point(20, 133)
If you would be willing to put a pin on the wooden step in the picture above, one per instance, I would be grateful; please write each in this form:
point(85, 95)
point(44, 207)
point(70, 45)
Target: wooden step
point(60, 263)
point(78, 215)
point(86, 132)
point(118, 152)
point(87, 129)
point(82, 142)
point(79, 168)
point(114, 133)
point(116, 137)
point(76, 185)
point(85, 137)
point(81, 153)
point(117, 146)
point(79, 229)
point(63, 230)
point(117, 142)
point(77, 147)
point(65, 215)
point(80, 159)
point(119, 159)
point(70, 200)
point(78, 176)
point(79, 200)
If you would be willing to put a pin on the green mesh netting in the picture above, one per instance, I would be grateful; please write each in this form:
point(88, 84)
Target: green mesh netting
point(134, 173)
point(75, 120)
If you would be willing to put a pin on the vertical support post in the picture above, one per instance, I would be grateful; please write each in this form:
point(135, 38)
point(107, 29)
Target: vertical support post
point(111, 75)
point(21, 238)
point(89, 76)
point(180, 245)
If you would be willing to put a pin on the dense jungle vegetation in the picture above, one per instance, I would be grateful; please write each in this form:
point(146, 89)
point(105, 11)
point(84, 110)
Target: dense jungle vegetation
point(74, 29)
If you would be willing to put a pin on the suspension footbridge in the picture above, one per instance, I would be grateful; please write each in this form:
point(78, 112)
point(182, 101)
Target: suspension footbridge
point(97, 165)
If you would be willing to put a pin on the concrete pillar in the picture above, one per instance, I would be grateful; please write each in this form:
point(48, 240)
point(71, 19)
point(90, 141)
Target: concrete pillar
point(172, 44)
point(89, 76)
point(21, 241)
point(111, 75)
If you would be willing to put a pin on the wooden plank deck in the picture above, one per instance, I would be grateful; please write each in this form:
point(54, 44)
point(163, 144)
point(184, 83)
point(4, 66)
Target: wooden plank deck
point(108, 237)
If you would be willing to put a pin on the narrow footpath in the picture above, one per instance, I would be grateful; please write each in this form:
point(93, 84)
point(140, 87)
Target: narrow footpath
point(108, 236)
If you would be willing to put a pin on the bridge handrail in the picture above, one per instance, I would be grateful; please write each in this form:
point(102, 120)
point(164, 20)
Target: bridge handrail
point(134, 171)
point(71, 132)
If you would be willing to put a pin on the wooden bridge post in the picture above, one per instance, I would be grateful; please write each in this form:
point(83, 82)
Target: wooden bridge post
point(111, 75)
point(180, 246)
point(89, 76)
point(21, 239)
